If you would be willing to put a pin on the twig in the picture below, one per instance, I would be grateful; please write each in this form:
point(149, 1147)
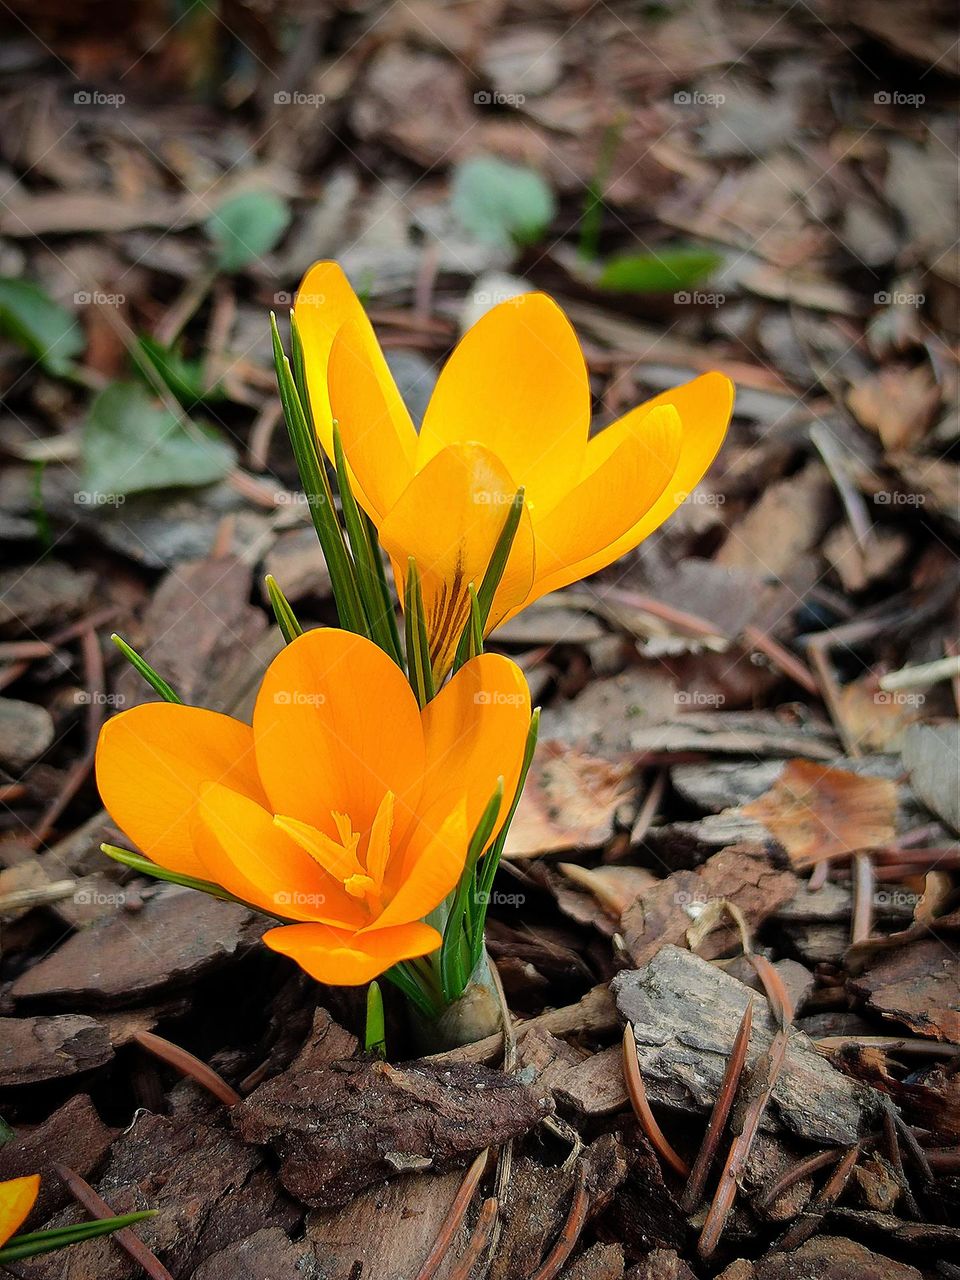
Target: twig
point(720, 1113)
point(577, 1216)
point(478, 1241)
point(188, 1065)
point(864, 887)
point(126, 1237)
point(896, 1158)
point(641, 1107)
point(788, 663)
point(451, 1223)
point(830, 1193)
point(740, 1149)
point(802, 1169)
point(774, 989)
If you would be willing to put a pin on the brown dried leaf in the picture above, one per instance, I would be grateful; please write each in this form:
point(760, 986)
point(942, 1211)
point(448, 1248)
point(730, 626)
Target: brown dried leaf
point(819, 813)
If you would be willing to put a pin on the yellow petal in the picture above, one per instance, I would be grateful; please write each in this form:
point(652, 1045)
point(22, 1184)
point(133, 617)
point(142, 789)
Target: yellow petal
point(449, 518)
point(431, 867)
point(516, 383)
point(244, 851)
point(584, 531)
point(324, 302)
point(379, 449)
point(337, 726)
point(475, 731)
point(151, 763)
point(704, 405)
point(344, 959)
point(17, 1198)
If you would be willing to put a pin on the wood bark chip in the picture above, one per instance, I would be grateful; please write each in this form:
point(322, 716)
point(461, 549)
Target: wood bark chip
point(665, 912)
point(916, 985)
point(50, 1048)
point(128, 958)
point(342, 1126)
point(686, 1012)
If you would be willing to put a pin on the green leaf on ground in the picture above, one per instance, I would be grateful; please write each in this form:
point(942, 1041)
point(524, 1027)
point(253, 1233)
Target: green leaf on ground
point(41, 326)
point(185, 378)
point(500, 203)
point(247, 226)
point(132, 443)
point(659, 272)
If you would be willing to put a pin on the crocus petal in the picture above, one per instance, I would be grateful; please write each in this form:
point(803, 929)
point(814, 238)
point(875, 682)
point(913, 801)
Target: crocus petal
point(324, 302)
point(449, 518)
point(336, 726)
point(344, 959)
point(475, 731)
point(17, 1198)
point(516, 383)
point(583, 532)
point(380, 450)
point(151, 763)
point(704, 405)
point(429, 869)
point(245, 852)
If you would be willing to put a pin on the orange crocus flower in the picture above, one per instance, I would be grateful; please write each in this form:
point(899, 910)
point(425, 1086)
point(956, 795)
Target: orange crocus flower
point(511, 408)
point(17, 1198)
point(345, 808)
